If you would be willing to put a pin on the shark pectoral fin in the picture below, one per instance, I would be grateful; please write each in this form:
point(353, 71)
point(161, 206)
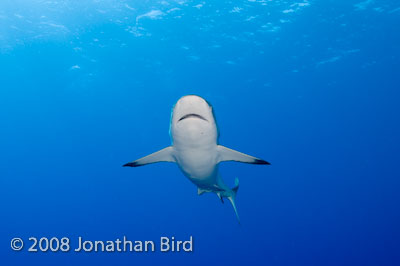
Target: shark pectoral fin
point(164, 155)
point(226, 154)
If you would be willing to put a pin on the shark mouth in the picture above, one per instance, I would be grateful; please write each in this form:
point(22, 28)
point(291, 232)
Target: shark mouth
point(192, 115)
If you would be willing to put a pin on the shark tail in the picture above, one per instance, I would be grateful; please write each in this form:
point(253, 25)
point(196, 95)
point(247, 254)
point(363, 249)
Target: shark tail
point(232, 198)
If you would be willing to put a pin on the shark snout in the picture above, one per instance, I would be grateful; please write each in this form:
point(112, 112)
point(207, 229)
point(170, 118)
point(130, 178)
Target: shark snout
point(192, 106)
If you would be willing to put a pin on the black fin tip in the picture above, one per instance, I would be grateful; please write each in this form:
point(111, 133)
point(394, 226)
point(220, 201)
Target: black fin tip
point(259, 161)
point(132, 164)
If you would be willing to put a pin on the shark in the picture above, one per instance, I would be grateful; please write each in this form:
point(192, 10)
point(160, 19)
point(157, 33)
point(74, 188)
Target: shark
point(196, 151)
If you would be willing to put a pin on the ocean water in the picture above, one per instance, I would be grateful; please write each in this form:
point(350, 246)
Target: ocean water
point(310, 86)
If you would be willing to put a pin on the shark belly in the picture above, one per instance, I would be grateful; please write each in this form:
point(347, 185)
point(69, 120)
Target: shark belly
point(198, 165)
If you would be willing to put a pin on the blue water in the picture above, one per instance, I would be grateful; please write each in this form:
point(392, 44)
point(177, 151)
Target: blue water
point(310, 86)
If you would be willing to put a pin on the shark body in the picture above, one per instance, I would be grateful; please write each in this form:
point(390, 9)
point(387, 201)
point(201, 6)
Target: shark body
point(196, 151)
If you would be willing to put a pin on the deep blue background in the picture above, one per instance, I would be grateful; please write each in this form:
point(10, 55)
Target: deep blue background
point(311, 86)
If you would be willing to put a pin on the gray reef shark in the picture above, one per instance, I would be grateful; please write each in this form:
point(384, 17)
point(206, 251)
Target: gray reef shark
point(196, 151)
